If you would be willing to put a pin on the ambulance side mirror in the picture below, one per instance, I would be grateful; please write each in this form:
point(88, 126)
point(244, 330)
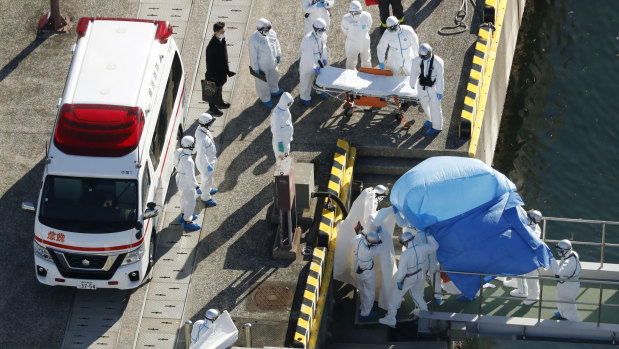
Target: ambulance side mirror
point(151, 210)
point(28, 206)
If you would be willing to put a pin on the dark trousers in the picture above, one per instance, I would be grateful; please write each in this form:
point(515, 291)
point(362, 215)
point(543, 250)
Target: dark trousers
point(217, 98)
point(383, 8)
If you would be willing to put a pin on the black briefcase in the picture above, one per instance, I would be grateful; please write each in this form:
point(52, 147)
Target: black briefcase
point(209, 88)
point(260, 75)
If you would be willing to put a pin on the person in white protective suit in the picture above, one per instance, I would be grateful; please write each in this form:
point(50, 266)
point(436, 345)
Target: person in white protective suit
point(365, 248)
point(528, 288)
point(281, 126)
point(264, 56)
point(403, 45)
point(315, 9)
point(313, 58)
point(206, 157)
point(356, 25)
point(567, 271)
point(432, 262)
point(427, 75)
point(204, 328)
point(187, 184)
point(411, 273)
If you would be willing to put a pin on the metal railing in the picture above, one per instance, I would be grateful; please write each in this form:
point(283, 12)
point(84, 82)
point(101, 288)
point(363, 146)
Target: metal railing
point(599, 304)
point(603, 244)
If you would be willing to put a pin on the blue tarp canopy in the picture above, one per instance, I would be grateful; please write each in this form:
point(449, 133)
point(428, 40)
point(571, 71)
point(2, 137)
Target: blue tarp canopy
point(475, 215)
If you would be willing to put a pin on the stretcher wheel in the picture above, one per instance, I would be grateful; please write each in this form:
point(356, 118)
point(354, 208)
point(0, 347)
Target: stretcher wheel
point(348, 112)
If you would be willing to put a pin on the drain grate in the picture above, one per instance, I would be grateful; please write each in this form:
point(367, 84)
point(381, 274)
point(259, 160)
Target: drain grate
point(272, 297)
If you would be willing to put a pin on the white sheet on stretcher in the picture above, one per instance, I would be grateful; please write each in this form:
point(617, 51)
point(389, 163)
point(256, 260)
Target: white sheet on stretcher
point(365, 84)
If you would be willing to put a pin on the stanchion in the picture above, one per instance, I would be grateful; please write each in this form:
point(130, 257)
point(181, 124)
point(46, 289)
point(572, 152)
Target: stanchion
point(247, 328)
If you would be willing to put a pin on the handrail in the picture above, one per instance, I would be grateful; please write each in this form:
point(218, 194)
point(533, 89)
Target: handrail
point(603, 244)
point(541, 298)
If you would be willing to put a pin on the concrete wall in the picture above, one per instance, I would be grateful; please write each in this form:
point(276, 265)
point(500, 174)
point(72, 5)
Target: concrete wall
point(500, 79)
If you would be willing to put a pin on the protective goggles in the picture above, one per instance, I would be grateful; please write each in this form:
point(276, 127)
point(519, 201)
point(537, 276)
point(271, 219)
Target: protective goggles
point(264, 30)
point(393, 27)
point(425, 56)
point(355, 13)
point(319, 30)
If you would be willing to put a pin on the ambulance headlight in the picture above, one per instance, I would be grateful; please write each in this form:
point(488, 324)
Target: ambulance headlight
point(134, 256)
point(41, 251)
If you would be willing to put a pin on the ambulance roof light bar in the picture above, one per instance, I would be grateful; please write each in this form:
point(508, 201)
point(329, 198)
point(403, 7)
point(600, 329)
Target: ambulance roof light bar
point(98, 130)
point(163, 33)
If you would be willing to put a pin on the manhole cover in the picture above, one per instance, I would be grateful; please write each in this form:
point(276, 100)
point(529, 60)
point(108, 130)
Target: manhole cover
point(272, 297)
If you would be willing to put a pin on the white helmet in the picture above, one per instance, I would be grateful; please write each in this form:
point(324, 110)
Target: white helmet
point(535, 216)
point(425, 51)
point(392, 23)
point(188, 142)
point(264, 26)
point(564, 247)
point(319, 25)
point(355, 6)
point(212, 314)
point(405, 238)
point(285, 101)
point(373, 238)
point(205, 120)
point(381, 190)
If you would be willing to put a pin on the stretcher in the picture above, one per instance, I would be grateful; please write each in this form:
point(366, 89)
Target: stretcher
point(368, 87)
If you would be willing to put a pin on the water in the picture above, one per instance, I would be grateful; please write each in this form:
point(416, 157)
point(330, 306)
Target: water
point(559, 139)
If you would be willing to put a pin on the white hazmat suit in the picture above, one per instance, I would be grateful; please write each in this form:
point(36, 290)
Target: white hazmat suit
point(403, 46)
point(429, 96)
point(411, 273)
point(432, 261)
point(528, 288)
point(365, 273)
point(264, 52)
point(315, 9)
point(357, 30)
point(567, 269)
point(313, 49)
point(206, 157)
point(186, 182)
point(281, 125)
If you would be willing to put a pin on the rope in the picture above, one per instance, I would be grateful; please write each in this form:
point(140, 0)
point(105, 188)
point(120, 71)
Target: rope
point(460, 26)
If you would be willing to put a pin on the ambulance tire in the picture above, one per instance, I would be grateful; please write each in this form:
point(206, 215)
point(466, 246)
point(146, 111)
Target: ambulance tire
point(152, 250)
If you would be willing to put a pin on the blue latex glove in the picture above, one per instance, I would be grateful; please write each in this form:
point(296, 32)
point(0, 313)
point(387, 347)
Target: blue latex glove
point(280, 147)
point(381, 65)
point(278, 58)
point(363, 26)
point(321, 4)
point(317, 70)
point(439, 96)
point(209, 168)
point(199, 191)
point(257, 71)
point(400, 286)
point(324, 61)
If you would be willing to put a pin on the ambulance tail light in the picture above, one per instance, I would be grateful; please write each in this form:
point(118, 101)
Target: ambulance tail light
point(98, 130)
point(163, 33)
point(82, 26)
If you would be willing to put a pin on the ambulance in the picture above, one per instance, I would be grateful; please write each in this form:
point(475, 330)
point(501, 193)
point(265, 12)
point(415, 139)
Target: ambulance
point(110, 157)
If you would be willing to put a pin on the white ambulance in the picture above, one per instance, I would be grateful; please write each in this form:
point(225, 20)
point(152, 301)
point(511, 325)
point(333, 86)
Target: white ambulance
point(111, 156)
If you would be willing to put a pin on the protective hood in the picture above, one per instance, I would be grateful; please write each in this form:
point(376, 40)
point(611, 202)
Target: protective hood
point(285, 100)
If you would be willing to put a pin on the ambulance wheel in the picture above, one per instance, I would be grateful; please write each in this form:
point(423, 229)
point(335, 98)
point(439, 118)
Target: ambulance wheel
point(348, 112)
point(152, 249)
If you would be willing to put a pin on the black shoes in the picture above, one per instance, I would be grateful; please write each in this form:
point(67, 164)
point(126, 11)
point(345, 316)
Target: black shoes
point(224, 106)
point(215, 112)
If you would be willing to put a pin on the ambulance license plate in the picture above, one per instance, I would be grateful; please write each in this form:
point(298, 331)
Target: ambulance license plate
point(87, 285)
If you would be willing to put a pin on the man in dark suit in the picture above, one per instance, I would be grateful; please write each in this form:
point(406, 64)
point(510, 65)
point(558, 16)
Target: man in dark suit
point(217, 67)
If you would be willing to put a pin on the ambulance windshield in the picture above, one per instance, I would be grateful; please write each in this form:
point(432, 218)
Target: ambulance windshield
point(89, 205)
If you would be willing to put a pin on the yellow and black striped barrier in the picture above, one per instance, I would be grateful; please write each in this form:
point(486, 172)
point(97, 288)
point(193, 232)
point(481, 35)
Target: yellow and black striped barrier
point(321, 266)
point(473, 87)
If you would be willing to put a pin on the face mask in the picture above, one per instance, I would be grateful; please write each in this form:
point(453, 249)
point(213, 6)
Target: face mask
point(222, 36)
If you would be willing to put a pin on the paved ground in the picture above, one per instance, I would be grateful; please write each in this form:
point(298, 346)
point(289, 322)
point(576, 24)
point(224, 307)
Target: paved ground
point(232, 252)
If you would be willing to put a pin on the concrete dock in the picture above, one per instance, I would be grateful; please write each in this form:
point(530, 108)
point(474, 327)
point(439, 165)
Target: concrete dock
point(226, 263)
